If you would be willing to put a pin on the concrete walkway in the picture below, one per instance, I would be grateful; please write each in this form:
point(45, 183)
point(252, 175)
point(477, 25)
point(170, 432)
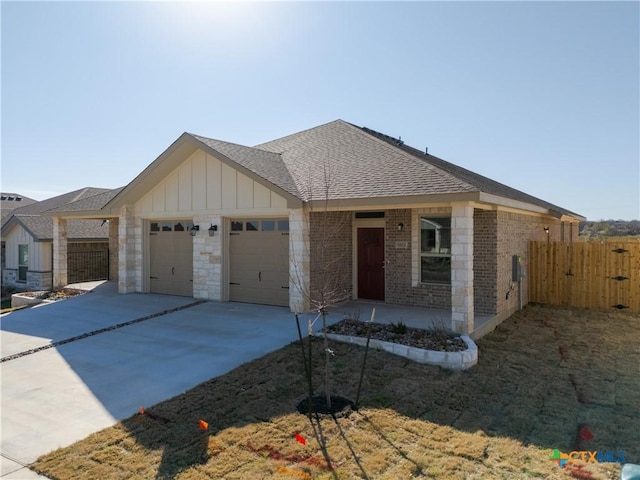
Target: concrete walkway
point(59, 395)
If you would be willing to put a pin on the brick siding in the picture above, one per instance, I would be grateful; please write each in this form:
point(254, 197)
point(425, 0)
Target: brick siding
point(331, 253)
point(485, 245)
point(398, 275)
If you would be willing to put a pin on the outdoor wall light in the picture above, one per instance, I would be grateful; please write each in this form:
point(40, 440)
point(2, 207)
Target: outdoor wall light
point(400, 226)
point(213, 229)
point(546, 230)
point(193, 230)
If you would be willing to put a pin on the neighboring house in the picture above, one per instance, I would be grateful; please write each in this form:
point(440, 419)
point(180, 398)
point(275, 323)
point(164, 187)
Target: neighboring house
point(8, 203)
point(220, 221)
point(27, 236)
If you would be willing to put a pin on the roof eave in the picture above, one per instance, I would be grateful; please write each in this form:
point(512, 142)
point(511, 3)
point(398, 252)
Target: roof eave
point(517, 204)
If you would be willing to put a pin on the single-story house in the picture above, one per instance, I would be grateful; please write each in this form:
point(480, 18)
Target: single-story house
point(27, 244)
point(336, 205)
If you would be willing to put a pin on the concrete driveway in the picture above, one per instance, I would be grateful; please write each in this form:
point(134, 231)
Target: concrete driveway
point(56, 396)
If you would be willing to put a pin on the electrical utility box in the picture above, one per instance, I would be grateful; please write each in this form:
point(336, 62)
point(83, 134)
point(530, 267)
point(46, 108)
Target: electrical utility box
point(516, 268)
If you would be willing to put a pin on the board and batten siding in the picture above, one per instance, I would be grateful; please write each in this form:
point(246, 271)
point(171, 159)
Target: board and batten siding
point(39, 252)
point(201, 184)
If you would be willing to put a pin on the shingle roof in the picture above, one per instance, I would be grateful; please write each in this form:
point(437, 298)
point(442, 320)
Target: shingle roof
point(265, 164)
point(357, 165)
point(481, 183)
point(94, 202)
point(11, 201)
point(41, 226)
point(58, 201)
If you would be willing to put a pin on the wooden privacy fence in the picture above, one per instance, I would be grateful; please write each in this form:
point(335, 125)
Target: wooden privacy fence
point(604, 276)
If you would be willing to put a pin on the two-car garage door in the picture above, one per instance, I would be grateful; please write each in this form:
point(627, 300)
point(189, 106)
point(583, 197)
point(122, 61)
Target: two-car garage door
point(259, 261)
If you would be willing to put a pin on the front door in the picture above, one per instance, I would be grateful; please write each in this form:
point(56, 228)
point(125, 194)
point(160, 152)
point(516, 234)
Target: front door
point(371, 263)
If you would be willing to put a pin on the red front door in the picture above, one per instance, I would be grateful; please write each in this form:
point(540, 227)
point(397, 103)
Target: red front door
point(371, 263)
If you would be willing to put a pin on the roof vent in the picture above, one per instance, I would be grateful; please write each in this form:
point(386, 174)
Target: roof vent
point(426, 150)
point(3, 197)
point(399, 141)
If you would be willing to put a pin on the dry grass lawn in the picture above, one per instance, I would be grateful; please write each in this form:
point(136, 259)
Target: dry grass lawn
point(542, 373)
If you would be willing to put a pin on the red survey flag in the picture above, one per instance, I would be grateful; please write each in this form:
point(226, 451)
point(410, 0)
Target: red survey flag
point(300, 439)
point(203, 425)
point(586, 433)
point(141, 410)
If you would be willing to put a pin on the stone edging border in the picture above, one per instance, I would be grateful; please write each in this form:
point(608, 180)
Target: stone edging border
point(451, 360)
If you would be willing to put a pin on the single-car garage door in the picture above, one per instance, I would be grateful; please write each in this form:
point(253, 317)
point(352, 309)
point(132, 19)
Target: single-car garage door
point(171, 258)
point(259, 261)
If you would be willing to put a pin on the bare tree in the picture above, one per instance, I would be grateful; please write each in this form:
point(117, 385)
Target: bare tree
point(328, 250)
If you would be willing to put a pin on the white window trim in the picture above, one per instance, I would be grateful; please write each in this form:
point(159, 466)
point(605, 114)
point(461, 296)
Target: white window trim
point(416, 254)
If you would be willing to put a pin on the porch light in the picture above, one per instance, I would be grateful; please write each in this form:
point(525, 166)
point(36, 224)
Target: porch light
point(400, 226)
point(546, 230)
point(212, 230)
point(193, 230)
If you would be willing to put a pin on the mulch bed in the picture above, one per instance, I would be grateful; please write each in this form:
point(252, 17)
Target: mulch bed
point(437, 340)
point(54, 295)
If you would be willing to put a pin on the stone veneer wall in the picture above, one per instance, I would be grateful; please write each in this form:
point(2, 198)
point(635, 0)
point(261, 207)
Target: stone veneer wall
point(36, 281)
point(113, 248)
point(331, 249)
point(130, 251)
point(207, 259)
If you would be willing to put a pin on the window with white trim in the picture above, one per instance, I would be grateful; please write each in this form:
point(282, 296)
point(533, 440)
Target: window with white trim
point(435, 250)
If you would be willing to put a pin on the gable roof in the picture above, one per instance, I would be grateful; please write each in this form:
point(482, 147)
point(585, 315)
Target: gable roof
point(35, 220)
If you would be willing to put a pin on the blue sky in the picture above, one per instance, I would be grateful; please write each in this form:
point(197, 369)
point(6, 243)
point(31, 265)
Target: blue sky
point(542, 96)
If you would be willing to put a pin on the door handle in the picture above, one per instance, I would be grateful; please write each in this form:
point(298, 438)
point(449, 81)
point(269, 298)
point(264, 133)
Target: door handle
point(173, 270)
point(259, 276)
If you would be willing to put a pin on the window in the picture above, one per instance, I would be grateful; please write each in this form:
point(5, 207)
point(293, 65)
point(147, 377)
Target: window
point(283, 225)
point(23, 262)
point(435, 250)
point(268, 225)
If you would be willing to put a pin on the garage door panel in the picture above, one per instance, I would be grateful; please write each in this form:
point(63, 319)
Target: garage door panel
point(171, 261)
point(259, 266)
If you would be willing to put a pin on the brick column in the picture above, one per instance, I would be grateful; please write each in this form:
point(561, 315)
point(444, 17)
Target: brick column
point(462, 269)
point(113, 248)
point(207, 259)
point(59, 252)
point(129, 251)
point(299, 264)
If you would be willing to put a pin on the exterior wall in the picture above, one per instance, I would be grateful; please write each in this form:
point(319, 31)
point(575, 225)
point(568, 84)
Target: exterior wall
point(39, 252)
point(130, 259)
point(462, 308)
point(207, 258)
point(514, 231)
point(331, 253)
point(485, 247)
point(113, 248)
point(203, 184)
point(299, 263)
point(406, 263)
point(36, 281)
point(60, 259)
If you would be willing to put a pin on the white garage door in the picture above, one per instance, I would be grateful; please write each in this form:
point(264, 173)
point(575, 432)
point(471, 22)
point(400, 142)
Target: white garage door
point(259, 261)
point(171, 258)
